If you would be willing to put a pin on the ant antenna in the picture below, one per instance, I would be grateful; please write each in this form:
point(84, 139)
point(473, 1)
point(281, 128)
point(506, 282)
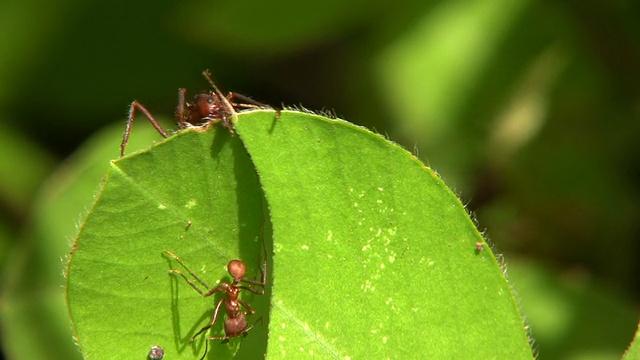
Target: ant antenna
point(225, 101)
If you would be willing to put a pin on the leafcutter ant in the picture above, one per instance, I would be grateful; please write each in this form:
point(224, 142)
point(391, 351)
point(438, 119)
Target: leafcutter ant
point(235, 323)
point(207, 108)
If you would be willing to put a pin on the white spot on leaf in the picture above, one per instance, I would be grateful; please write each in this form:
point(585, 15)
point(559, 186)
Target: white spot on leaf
point(191, 204)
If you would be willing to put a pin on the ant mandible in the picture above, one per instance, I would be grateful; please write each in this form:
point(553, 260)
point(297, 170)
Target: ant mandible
point(206, 109)
point(236, 322)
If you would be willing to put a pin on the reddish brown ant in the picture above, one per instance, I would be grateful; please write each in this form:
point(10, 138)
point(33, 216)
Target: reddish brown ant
point(206, 109)
point(236, 322)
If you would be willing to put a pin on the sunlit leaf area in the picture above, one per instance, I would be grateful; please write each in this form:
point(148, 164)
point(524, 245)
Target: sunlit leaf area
point(446, 179)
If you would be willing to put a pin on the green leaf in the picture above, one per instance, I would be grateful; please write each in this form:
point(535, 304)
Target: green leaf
point(121, 297)
point(373, 255)
point(633, 352)
point(33, 301)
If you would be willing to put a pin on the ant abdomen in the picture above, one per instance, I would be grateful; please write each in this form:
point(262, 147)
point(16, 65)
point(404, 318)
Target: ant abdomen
point(234, 326)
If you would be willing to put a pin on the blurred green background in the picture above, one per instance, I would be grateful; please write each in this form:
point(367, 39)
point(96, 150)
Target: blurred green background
point(529, 110)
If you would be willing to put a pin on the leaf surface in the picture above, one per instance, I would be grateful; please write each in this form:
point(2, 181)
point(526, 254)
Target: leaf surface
point(374, 257)
point(121, 297)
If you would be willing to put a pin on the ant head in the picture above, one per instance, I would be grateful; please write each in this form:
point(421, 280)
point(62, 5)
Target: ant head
point(236, 269)
point(206, 104)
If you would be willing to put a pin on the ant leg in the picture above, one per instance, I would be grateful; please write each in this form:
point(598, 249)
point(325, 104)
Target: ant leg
point(213, 320)
point(249, 103)
point(206, 348)
point(221, 287)
point(255, 291)
point(262, 283)
point(228, 124)
point(132, 114)
point(227, 104)
point(180, 110)
point(243, 332)
point(249, 288)
point(177, 258)
point(194, 286)
point(246, 306)
point(263, 272)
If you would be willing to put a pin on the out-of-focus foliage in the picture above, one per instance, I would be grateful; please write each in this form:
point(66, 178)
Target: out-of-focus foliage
point(530, 110)
point(568, 311)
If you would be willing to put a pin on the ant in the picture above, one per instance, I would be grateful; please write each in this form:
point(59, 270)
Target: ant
point(207, 108)
point(236, 322)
